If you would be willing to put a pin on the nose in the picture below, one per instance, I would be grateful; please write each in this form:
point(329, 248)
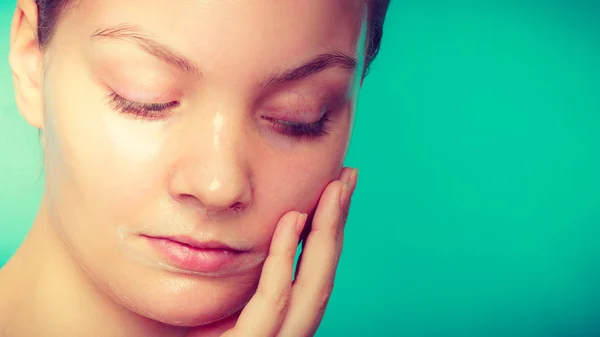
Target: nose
point(211, 174)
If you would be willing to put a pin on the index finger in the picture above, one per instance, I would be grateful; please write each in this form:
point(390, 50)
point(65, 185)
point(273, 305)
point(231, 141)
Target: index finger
point(262, 316)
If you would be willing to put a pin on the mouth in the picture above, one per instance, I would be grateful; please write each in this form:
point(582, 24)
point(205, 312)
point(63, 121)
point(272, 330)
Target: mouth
point(196, 244)
point(188, 254)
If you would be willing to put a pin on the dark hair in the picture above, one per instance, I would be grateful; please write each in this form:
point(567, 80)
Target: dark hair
point(49, 13)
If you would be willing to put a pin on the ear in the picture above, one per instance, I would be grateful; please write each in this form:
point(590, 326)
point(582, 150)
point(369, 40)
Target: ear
point(26, 62)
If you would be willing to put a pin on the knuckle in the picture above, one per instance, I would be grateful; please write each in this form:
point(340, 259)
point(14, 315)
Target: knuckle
point(277, 301)
point(344, 215)
point(343, 220)
point(300, 286)
point(323, 301)
point(323, 295)
point(333, 231)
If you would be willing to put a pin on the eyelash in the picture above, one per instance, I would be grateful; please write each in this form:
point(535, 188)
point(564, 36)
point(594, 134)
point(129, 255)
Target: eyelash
point(153, 111)
point(297, 130)
point(142, 110)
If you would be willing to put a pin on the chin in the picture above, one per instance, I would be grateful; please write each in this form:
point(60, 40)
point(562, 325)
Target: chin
point(184, 300)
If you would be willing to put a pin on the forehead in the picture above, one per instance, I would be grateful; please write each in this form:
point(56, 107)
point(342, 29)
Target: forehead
point(213, 30)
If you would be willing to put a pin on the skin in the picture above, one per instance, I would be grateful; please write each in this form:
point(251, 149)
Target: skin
point(213, 168)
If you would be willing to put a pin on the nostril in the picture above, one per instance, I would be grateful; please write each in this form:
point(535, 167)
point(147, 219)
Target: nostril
point(237, 206)
point(189, 200)
point(193, 202)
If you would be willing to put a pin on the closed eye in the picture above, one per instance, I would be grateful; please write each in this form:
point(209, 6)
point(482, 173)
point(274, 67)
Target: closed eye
point(297, 130)
point(142, 110)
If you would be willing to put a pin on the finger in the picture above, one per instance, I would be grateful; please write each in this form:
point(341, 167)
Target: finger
point(346, 176)
point(349, 176)
point(345, 210)
point(262, 316)
point(314, 283)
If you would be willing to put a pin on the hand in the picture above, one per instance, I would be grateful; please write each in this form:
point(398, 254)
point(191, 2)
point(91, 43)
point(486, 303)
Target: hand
point(284, 308)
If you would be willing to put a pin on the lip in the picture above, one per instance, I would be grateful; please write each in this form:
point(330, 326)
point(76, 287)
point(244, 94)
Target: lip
point(201, 257)
point(196, 244)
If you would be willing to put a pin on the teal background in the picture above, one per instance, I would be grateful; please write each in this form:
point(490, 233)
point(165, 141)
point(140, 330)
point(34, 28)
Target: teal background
point(478, 207)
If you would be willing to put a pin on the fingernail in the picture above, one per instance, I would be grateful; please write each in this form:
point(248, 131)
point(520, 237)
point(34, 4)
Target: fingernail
point(348, 177)
point(344, 195)
point(300, 222)
point(354, 178)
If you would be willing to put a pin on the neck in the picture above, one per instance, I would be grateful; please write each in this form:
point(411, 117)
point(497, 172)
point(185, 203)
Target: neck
point(45, 292)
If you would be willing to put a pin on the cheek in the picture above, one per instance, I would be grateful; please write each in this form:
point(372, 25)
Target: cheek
point(303, 183)
point(96, 159)
point(295, 182)
point(293, 178)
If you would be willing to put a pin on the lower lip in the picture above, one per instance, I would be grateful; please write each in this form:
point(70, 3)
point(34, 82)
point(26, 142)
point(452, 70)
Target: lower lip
point(195, 259)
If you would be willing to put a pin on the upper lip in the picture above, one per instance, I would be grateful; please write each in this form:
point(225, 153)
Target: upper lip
point(189, 241)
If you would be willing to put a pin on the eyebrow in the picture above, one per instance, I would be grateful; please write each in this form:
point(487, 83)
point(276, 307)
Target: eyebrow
point(136, 35)
point(316, 65)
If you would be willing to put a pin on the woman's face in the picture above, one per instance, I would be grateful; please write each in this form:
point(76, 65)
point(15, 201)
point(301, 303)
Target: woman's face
point(199, 121)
